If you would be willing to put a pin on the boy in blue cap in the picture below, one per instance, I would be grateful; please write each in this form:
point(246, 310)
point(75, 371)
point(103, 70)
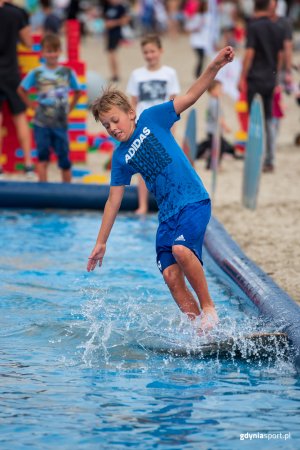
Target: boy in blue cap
point(149, 148)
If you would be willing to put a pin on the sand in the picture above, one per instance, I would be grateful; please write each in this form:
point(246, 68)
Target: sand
point(270, 235)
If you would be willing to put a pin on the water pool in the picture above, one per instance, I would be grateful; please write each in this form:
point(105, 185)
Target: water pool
point(75, 370)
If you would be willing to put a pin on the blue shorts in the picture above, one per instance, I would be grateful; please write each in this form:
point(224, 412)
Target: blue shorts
point(56, 139)
point(184, 228)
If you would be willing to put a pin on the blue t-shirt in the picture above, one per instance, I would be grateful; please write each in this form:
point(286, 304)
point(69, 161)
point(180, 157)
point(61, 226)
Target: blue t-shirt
point(153, 152)
point(52, 87)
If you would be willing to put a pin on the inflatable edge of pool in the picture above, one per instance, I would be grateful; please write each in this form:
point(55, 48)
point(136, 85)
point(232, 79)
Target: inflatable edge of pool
point(269, 298)
point(15, 194)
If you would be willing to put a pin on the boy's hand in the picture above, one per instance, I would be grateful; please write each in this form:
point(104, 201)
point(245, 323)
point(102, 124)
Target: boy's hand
point(224, 57)
point(96, 257)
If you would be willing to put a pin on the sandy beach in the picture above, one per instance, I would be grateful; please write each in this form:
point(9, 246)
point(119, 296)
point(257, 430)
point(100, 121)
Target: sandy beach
point(270, 235)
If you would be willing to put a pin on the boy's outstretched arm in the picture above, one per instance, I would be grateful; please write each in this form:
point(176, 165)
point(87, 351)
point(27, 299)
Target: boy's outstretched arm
point(111, 209)
point(183, 102)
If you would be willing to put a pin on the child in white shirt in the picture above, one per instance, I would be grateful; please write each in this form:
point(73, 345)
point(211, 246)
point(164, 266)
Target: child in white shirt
point(148, 86)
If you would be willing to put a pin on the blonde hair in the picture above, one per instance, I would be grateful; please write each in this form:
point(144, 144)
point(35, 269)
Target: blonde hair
point(109, 98)
point(151, 39)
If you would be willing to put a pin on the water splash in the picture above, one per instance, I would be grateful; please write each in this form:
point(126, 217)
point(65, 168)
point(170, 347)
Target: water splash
point(130, 332)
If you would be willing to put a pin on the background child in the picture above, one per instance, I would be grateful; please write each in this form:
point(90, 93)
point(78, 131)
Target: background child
point(214, 118)
point(52, 82)
point(149, 86)
point(148, 147)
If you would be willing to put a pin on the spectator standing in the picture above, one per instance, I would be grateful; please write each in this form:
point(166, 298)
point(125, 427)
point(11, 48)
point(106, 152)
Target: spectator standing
point(199, 27)
point(14, 26)
point(52, 82)
point(161, 16)
point(173, 12)
point(52, 23)
point(115, 16)
point(153, 16)
point(147, 16)
point(262, 61)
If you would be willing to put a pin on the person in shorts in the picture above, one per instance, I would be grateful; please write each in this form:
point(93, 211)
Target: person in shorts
point(148, 147)
point(115, 16)
point(14, 26)
point(52, 82)
point(261, 63)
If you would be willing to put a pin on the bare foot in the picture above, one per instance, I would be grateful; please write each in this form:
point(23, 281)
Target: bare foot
point(208, 320)
point(141, 211)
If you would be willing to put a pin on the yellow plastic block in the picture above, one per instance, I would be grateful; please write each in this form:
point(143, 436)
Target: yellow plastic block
point(78, 114)
point(94, 178)
point(241, 107)
point(3, 159)
point(241, 135)
point(82, 100)
point(78, 146)
point(28, 64)
point(22, 48)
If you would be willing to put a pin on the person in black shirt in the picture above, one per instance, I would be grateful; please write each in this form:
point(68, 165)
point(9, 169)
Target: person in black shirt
point(262, 60)
point(14, 27)
point(115, 16)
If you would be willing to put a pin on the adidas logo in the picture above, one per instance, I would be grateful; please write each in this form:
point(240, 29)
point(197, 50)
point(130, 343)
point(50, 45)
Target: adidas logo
point(180, 238)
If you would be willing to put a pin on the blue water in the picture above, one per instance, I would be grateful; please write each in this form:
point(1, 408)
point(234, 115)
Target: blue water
point(79, 368)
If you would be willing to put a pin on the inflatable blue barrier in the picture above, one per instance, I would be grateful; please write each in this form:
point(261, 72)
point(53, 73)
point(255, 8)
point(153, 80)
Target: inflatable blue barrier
point(270, 299)
point(64, 196)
